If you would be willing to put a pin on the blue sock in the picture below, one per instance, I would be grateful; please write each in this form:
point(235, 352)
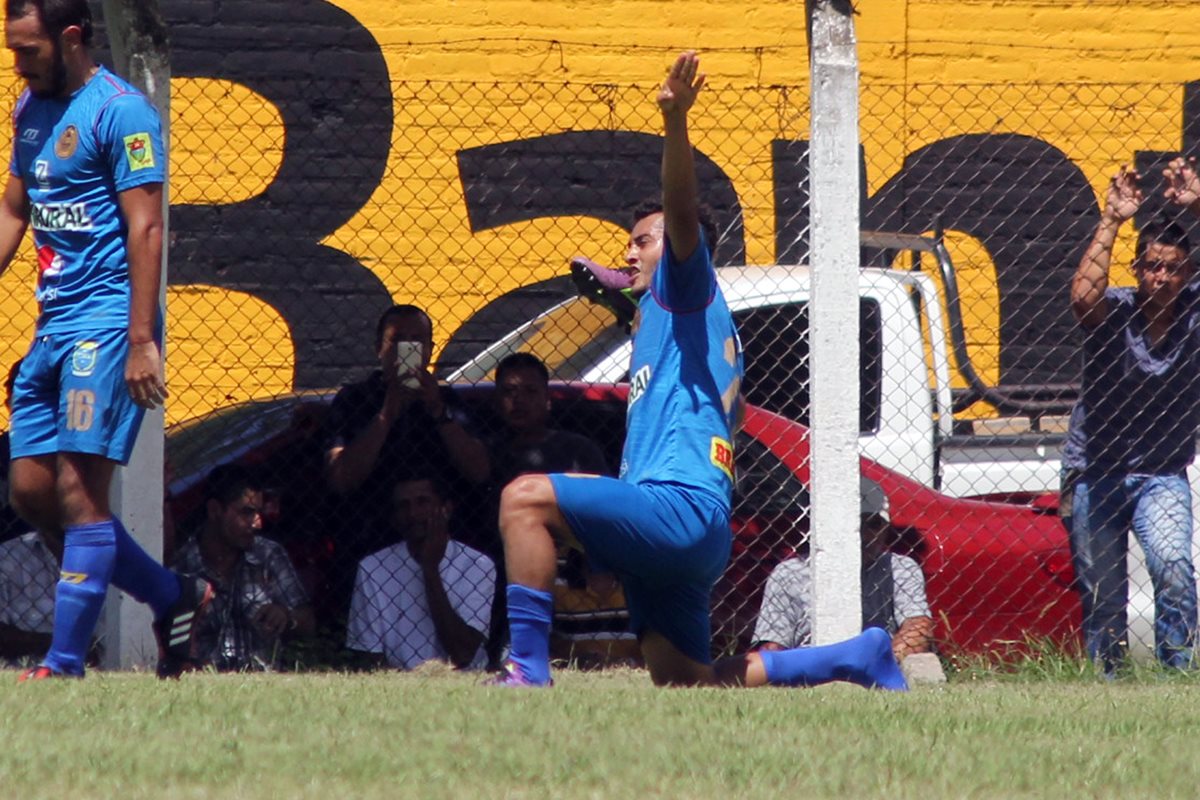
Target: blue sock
point(140, 576)
point(88, 555)
point(529, 613)
point(865, 659)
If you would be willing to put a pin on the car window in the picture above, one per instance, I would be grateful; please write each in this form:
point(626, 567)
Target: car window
point(196, 446)
point(766, 487)
point(569, 339)
point(775, 345)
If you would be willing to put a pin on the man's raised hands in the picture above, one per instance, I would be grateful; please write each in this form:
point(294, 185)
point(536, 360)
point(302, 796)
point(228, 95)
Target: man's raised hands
point(1124, 196)
point(1182, 184)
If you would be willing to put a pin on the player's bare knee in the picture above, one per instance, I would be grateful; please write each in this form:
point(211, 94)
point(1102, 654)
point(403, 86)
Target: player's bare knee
point(672, 675)
point(31, 493)
point(27, 502)
point(659, 679)
point(527, 497)
point(82, 496)
point(668, 666)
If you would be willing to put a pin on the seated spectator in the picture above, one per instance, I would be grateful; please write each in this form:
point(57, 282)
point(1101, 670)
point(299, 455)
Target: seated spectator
point(29, 566)
point(259, 600)
point(427, 597)
point(11, 524)
point(527, 443)
point(590, 622)
point(893, 590)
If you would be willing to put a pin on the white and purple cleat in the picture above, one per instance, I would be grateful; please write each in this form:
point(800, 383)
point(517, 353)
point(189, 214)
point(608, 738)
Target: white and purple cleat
point(607, 287)
point(615, 279)
point(512, 676)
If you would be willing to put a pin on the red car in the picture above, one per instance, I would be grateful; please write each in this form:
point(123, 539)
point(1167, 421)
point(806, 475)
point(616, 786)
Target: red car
point(998, 574)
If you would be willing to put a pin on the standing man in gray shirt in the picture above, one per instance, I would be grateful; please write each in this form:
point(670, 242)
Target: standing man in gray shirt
point(1135, 428)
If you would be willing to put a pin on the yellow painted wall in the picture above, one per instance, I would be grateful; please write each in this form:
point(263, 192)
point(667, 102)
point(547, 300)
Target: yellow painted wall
point(473, 72)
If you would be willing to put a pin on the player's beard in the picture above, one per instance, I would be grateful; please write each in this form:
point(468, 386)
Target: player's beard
point(58, 76)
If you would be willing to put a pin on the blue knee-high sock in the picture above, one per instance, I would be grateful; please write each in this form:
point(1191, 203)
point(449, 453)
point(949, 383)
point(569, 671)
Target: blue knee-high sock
point(865, 659)
point(529, 613)
point(88, 555)
point(139, 575)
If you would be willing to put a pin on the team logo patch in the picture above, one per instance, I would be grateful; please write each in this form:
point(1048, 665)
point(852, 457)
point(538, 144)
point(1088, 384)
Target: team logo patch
point(72, 577)
point(139, 152)
point(83, 360)
point(721, 455)
point(68, 140)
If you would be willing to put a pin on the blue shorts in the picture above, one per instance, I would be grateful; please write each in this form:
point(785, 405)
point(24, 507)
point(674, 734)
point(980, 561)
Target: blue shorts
point(70, 396)
point(667, 543)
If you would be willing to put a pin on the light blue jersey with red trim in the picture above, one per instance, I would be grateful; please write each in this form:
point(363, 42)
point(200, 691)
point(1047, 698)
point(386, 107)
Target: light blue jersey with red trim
point(75, 156)
point(685, 376)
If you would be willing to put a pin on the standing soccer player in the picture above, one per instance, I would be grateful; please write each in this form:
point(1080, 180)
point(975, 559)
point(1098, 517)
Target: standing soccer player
point(663, 527)
point(87, 172)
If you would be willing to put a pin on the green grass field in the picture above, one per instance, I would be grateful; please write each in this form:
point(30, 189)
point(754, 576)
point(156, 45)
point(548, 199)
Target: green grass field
point(604, 735)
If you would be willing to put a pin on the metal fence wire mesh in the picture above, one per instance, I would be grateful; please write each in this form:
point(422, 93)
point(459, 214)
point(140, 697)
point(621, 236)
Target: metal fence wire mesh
point(300, 213)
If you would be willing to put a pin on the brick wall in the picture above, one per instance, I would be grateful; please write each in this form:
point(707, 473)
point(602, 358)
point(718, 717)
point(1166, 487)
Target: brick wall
point(318, 155)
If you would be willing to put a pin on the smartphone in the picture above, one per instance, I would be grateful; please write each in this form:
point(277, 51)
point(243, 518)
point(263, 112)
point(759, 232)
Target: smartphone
point(409, 358)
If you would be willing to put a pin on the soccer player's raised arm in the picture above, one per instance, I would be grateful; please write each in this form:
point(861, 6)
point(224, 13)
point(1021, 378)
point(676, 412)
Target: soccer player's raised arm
point(14, 218)
point(680, 193)
point(142, 209)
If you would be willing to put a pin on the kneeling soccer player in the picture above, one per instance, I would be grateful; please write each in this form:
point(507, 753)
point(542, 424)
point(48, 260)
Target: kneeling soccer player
point(663, 527)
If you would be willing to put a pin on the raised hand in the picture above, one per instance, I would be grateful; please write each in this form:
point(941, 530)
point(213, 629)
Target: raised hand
point(1182, 184)
point(1124, 196)
point(683, 83)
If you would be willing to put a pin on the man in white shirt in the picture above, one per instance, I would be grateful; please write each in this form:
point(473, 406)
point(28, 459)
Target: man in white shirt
point(427, 597)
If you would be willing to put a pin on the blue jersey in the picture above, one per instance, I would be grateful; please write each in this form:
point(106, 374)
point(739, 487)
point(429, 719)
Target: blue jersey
point(75, 155)
point(685, 376)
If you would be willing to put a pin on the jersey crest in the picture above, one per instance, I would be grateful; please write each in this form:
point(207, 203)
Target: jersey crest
point(67, 142)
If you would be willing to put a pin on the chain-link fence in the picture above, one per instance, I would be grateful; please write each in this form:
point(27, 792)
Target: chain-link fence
point(301, 213)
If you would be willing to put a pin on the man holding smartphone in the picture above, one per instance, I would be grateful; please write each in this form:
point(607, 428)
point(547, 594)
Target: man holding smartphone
point(398, 423)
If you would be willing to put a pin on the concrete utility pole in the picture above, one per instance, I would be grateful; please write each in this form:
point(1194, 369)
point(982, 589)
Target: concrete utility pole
point(833, 321)
point(137, 37)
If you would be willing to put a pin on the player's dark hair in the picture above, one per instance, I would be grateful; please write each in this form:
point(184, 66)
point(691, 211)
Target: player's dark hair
point(228, 482)
point(399, 312)
point(1164, 232)
point(653, 205)
point(517, 361)
point(56, 15)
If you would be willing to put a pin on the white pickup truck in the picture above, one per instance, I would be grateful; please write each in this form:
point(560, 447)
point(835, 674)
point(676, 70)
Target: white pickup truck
point(907, 418)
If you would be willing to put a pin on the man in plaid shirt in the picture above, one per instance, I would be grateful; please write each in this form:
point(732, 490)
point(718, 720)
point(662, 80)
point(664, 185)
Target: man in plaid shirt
point(260, 600)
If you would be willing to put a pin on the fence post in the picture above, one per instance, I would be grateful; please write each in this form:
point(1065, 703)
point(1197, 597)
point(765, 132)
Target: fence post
point(138, 40)
point(833, 321)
